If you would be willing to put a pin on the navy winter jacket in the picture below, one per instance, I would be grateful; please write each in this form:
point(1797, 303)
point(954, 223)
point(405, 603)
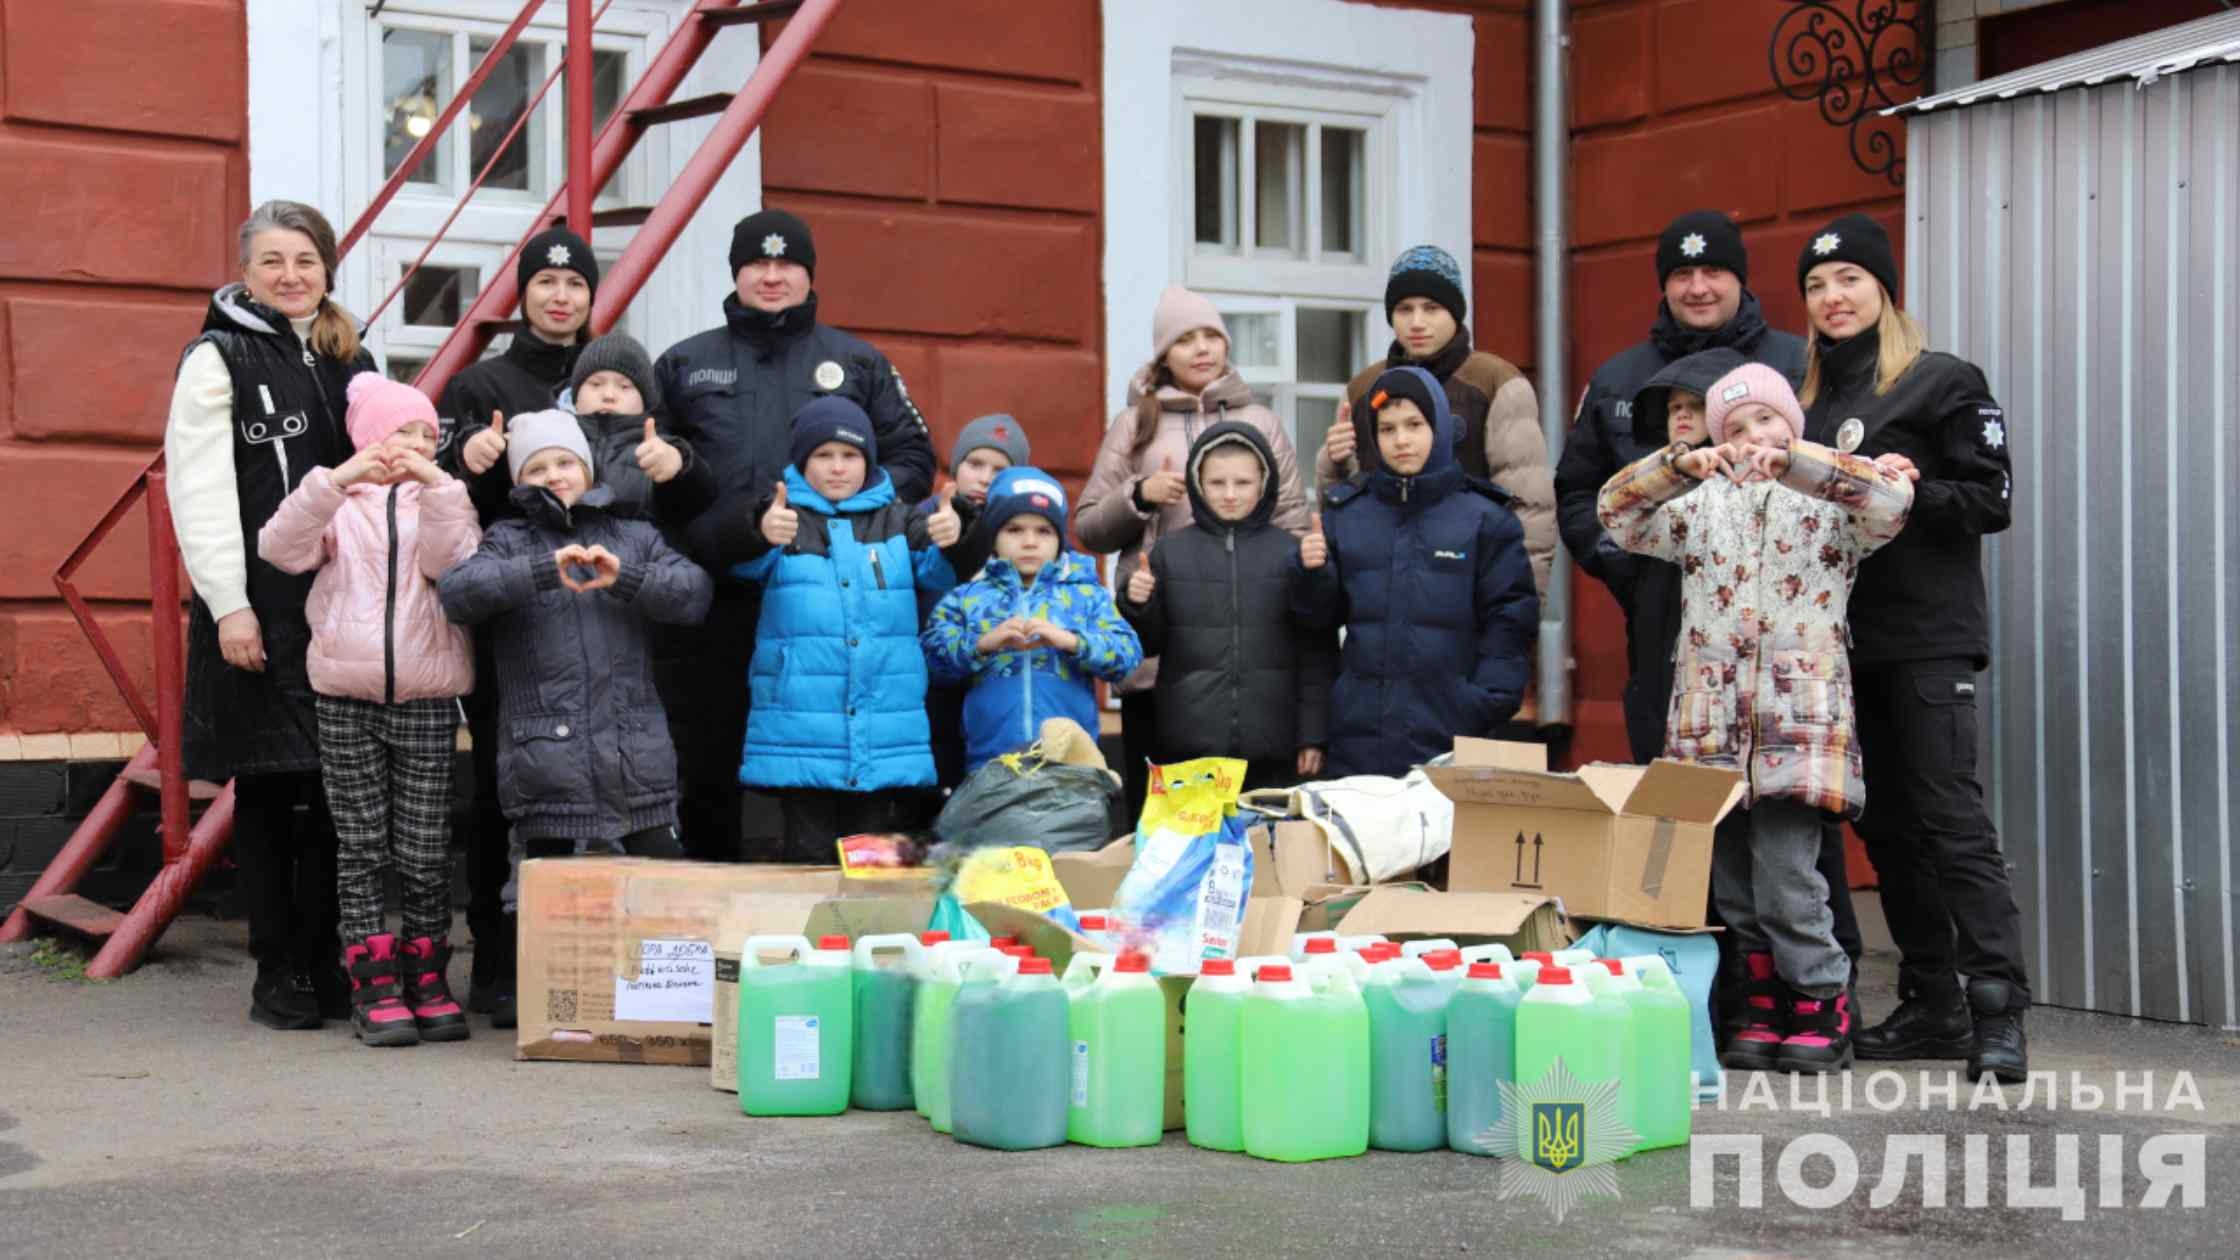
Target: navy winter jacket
point(1429, 576)
point(583, 743)
point(838, 681)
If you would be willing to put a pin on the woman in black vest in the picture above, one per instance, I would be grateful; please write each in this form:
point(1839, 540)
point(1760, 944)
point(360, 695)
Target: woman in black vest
point(259, 402)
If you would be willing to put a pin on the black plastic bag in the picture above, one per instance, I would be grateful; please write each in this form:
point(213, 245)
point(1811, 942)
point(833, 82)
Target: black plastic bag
point(1023, 800)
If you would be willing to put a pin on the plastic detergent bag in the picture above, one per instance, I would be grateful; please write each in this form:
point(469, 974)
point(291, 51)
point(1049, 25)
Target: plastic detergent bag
point(1017, 876)
point(1693, 960)
point(1193, 867)
point(1024, 798)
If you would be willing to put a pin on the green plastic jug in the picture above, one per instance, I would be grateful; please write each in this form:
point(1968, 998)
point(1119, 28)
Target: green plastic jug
point(1446, 967)
point(886, 1000)
point(1008, 1073)
point(1212, 1059)
point(1664, 1093)
point(796, 1026)
point(1417, 949)
point(1494, 952)
point(1305, 1037)
point(1560, 1019)
point(1407, 1005)
point(1481, 1054)
point(1614, 991)
point(1116, 1019)
point(934, 1040)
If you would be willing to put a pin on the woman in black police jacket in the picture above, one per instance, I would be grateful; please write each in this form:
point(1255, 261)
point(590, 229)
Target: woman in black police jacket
point(258, 403)
point(1921, 631)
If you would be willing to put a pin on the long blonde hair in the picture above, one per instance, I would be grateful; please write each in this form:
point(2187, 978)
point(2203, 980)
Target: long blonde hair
point(1902, 339)
point(333, 333)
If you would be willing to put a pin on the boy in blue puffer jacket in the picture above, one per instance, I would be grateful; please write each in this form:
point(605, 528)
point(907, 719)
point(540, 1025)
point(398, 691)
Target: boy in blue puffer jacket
point(1425, 567)
point(1033, 630)
point(837, 724)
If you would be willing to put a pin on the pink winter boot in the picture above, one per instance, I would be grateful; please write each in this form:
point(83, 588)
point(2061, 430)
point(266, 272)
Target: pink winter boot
point(427, 990)
point(1819, 1037)
point(1764, 1019)
point(378, 1015)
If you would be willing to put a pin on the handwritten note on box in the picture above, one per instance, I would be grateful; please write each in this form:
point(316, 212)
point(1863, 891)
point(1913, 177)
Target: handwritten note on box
point(676, 982)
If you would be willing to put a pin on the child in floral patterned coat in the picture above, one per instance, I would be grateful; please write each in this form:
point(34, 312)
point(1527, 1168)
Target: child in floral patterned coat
point(1768, 530)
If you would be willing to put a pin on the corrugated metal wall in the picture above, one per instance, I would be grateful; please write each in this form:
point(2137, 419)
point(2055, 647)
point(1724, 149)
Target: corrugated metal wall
point(2081, 247)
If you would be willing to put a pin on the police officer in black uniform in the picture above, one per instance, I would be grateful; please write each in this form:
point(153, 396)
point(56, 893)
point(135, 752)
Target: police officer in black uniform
point(1921, 632)
point(732, 392)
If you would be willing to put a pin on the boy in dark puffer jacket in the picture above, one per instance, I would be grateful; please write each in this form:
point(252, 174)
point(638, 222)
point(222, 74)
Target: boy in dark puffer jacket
point(1240, 677)
point(616, 395)
point(1425, 567)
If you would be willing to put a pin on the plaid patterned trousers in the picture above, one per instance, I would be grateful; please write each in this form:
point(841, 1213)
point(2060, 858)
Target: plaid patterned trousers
point(388, 774)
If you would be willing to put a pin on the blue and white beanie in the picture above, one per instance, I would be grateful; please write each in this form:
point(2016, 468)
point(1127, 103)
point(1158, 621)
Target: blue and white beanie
point(1426, 271)
point(1026, 490)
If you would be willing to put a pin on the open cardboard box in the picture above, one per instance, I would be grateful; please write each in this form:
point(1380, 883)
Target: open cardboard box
point(617, 954)
point(853, 917)
point(1626, 843)
point(1520, 921)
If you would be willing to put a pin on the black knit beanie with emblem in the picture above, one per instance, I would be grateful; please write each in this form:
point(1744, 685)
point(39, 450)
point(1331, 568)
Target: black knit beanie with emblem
point(772, 234)
point(830, 418)
point(1702, 238)
point(1855, 239)
point(556, 248)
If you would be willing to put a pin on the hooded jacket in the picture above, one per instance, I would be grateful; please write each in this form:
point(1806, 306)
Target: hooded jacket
point(1602, 438)
point(530, 375)
point(254, 410)
point(1500, 439)
point(1653, 618)
point(1763, 683)
point(614, 441)
point(1429, 577)
point(1922, 597)
point(377, 626)
point(1014, 692)
point(838, 679)
point(1239, 676)
point(1109, 520)
point(583, 744)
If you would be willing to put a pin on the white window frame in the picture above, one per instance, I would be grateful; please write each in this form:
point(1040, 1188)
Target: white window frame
point(1409, 70)
point(314, 89)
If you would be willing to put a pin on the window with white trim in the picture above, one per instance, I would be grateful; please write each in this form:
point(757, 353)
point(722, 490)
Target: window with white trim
point(1284, 217)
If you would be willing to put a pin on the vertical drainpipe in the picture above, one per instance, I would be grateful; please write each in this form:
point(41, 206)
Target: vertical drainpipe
point(1550, 164)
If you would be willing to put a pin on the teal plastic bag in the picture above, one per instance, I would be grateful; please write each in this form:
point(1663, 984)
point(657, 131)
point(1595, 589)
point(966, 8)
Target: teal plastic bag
point(950, 917)
point(1693, 960)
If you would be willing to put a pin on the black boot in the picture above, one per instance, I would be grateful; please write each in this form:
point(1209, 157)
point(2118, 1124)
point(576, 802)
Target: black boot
point(330, 984)
point(1931, 1022)
point(483, 970)
point(1765, 1019)
point(281, 998)
point(1999, 1046)
point(504, 1010)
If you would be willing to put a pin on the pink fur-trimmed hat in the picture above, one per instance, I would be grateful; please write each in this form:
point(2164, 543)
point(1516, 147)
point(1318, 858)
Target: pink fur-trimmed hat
point(1752, 383)
point(380, 407)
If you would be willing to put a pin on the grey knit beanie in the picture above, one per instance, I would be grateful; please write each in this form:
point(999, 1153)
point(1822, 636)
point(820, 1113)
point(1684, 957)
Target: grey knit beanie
point(997, 432)
point(618, 352)
point(540, 431)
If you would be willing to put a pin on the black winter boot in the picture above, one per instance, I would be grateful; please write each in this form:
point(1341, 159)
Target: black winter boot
point(1765, 1019)
point(2000, 1050)
point(504, 1009)
point(1931, 1022)
point(281, 998)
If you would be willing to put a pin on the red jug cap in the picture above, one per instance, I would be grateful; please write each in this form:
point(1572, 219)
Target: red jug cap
point(1015, 951)
point(1000, 941)
point(1218, 967)
point(1322, 945)
point(1616, 968)
point(932, 938)
point(1555, 975)
point(1276, 971)
point(1540, 956)
point(1034, 966)
point(1092, 923)
point(1134, 960)
point(832, 942)
point(1485, 971)
point(1442, 960)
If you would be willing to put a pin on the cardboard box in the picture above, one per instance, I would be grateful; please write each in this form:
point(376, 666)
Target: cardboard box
point(1629, 843)
point(853, 917)
point(1091, 879)
point(1291, 856)
point(1518, 920)
point(617, 954)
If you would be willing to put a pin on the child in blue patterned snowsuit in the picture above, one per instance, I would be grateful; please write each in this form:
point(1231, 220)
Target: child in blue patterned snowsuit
point(1033, 631)
point(837, 725)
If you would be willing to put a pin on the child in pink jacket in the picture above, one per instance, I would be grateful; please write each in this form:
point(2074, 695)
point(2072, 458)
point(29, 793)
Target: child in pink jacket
point(388, 669)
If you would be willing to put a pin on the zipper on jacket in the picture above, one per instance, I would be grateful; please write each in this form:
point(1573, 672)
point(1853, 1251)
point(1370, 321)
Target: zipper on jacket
point(878, 570)
point(389, 610)
point(1236, 645)
point(1026, 669)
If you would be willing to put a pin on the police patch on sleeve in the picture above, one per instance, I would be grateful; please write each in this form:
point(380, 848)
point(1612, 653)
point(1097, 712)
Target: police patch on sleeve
point(829, 376)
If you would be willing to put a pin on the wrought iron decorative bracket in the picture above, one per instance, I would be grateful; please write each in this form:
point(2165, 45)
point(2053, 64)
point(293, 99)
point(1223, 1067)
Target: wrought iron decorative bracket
point(1854, 59)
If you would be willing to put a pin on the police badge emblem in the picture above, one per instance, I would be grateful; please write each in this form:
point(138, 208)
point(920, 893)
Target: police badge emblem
point(829, 376)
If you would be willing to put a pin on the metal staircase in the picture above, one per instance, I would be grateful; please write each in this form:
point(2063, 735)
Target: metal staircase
point(592, 162)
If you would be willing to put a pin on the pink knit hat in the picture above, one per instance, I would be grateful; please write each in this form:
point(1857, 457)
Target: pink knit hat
point(1752, 383)
point(1178, 312)
point(380, 407)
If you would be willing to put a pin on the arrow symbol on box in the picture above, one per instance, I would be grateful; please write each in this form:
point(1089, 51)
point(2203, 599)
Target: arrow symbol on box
point(1518, 878)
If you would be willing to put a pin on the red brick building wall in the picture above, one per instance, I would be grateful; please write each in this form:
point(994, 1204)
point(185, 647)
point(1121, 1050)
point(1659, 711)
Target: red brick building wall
point(121, 131)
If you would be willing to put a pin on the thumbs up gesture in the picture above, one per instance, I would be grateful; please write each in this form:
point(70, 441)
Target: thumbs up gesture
point(1314, 549)
point(1164, 488)
point(1141, 584)
point(780, 524)
point(945, 525)
point(486, 448)
point(656, 458)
